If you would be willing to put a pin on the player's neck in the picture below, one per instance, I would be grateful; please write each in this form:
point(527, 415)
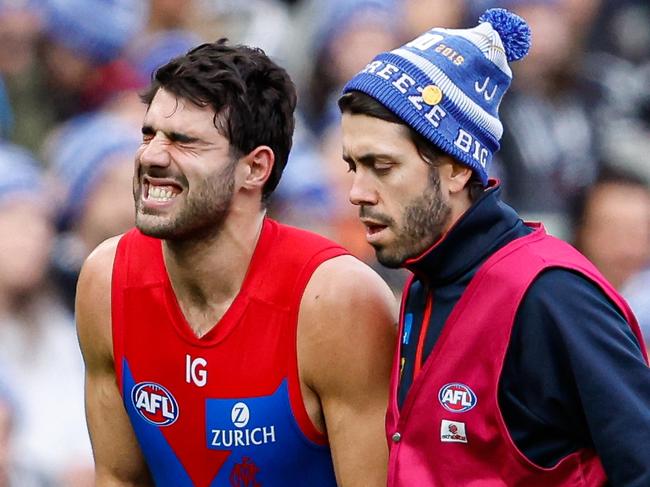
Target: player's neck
point(207, 274)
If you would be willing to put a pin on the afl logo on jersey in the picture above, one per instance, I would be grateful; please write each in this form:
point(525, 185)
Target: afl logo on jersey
point(154, 403)
point(457, 397)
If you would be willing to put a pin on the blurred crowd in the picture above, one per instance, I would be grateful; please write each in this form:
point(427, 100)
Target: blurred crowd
point(575, 155)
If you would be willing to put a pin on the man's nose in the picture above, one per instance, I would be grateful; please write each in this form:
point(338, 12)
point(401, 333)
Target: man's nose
point(362, 191)
point(155, 152)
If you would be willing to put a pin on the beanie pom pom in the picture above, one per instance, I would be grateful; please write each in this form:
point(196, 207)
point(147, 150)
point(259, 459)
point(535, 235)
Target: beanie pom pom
point(512, 29)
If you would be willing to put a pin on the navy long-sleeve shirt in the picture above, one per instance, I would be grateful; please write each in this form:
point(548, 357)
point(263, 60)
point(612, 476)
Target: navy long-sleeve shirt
point(574, 374)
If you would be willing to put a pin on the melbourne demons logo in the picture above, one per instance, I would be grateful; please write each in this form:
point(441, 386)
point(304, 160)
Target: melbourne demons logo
point(457, 397)
point(244, 474)
point(154, 403)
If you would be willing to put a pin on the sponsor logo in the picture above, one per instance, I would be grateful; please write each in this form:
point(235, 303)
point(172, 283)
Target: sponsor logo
point(240, 415)
point(452, 432)
point(155, 404)
point(457, 397)
point(243, 474)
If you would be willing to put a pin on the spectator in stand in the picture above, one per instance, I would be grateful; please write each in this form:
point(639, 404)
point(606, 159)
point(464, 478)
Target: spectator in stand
point(419, 16)
point(38, 347)
point(92, 160)
point(14, 472)
point(618, 60)
point(169, 33)
point(20, 28)
point(622, 28)
point(158, 48)
point(612, 225)
point(85, 40)
point(350, 34)
point(549, 146)
point(612, 228)
point(303, 197)
point(261, 23)
point(169, 15)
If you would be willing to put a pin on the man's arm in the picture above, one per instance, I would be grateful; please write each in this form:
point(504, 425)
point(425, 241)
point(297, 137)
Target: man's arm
point(118, 459)
point(576, 373)
point(346, 340)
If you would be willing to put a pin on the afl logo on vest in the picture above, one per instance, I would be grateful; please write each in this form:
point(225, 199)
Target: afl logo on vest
point(457, 397)
point(154, 403)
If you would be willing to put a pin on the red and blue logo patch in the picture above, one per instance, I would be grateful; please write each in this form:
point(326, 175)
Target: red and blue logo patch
point(457, 397)
point(154, 403)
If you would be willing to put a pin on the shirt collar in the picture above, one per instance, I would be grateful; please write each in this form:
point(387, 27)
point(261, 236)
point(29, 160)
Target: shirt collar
point(486, 226)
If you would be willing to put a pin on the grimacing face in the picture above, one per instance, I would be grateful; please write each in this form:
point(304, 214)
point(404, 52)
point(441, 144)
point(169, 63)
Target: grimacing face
point(401, 202)
point(184, 171)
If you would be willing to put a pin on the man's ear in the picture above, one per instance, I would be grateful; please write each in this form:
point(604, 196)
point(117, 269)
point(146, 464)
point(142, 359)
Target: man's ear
point(258, 165)
point(458, 175)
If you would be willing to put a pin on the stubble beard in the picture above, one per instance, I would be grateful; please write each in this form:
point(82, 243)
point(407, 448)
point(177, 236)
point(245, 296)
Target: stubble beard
point(202, 214)
point(424, 220)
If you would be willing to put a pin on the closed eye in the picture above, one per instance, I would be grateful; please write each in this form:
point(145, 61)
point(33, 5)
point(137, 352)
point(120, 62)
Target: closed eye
point(379, 165)
point(147, 133)
point(352, 167)
point(382, 168)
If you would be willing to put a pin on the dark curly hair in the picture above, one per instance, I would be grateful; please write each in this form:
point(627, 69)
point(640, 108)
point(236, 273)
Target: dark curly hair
point(253, 98)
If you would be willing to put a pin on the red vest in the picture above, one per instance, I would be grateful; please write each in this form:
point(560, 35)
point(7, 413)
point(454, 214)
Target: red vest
point(450, 430)
point(226, 408)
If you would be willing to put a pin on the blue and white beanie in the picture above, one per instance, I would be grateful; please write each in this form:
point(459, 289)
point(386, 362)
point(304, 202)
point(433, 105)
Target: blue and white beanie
point(447, 84)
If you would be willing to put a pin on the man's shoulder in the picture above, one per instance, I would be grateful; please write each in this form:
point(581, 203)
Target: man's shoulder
point(102, 257)
point(93, 306)
point(95, 278)
point(344, 289)
point(343, 278)
point(559, 286)
point(572, 307)
point(347, 311)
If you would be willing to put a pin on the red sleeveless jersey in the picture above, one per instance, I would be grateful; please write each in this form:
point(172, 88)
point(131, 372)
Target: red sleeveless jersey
point(225, 409)
point(450, 431)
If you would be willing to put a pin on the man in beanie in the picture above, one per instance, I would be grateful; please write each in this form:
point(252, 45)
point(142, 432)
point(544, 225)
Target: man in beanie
point(221, 347)
point(518, 363)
